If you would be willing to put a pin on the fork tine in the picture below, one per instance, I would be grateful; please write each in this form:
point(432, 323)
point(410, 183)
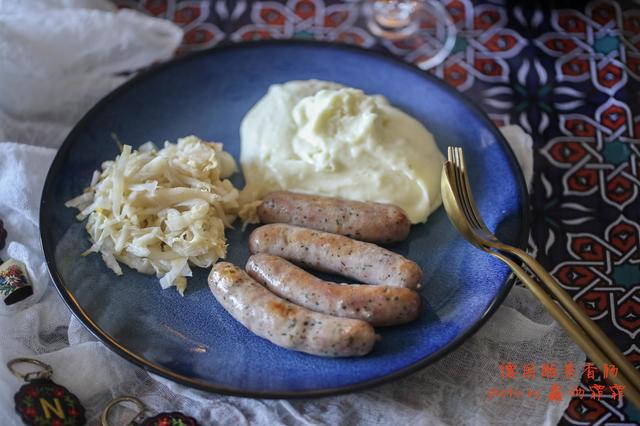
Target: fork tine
point(474, 205)
point(460, 186)
point(468, 198)
point(463, 188)
point(450, 154)
point(453, 158)
point(466, 187)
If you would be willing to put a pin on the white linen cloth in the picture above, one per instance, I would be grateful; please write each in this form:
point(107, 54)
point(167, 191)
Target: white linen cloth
point(57, 58)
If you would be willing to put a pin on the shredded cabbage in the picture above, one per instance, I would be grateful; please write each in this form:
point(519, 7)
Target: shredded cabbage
point(159, 211)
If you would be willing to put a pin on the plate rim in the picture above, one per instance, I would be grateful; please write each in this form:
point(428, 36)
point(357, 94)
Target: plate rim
point(75, 308)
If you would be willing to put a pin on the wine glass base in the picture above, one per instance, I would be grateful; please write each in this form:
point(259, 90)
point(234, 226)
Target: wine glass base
point(424, 24)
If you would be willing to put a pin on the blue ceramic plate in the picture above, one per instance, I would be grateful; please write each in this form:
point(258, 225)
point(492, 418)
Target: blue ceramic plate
point(192, 339)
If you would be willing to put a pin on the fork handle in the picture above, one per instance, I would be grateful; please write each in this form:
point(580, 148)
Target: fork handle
point(579, 335)
point(590, 327)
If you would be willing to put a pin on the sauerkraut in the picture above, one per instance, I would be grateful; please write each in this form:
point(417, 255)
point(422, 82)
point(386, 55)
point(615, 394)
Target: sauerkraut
point(160, 211)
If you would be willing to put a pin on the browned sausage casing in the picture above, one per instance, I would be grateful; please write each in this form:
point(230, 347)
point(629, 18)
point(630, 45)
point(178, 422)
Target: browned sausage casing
point(372, 222)
point(284, 323)
point(364, 262)
point(378, 305)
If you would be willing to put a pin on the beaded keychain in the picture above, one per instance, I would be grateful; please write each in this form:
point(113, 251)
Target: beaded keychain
point(43, 402)
point(172, 419)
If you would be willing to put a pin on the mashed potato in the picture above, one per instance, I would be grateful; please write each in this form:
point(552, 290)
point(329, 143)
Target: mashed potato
point(323, 138)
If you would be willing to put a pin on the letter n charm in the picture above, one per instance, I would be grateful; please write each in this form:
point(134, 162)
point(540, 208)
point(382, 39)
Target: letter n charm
point(43, 402)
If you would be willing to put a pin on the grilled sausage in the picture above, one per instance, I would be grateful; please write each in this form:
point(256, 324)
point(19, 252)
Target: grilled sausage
point(372, 222)
point(364, 262)
point(284, 323)
point(378, 305)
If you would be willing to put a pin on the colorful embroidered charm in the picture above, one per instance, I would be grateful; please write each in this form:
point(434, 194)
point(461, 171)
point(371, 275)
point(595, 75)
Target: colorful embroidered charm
point(162, 419)
point(43, 402)
point(170, 419)
point(14, 282)
point(3, 235)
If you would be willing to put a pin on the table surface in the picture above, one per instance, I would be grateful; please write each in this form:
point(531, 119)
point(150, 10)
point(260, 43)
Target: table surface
point(569, 74)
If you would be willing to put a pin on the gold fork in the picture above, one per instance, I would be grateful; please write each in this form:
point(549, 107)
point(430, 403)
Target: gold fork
point(463, 213)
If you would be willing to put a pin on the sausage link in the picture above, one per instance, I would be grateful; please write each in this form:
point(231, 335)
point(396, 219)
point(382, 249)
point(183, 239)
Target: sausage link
point(372, 222)
point(284, 323)
point(361, 261)
point(378, 305)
